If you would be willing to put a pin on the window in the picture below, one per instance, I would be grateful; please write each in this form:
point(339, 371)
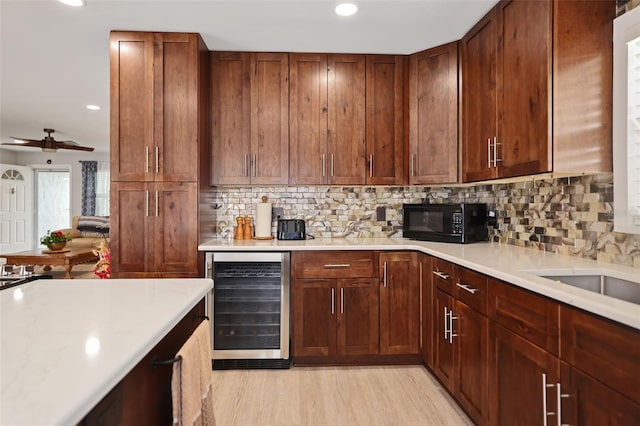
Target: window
point(102, 189)
point(626, 121)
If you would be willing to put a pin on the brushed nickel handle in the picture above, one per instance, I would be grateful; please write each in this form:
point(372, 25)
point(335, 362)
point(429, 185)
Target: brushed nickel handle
point(337, 265)
point(244, 166)
point(146, 206)
point(560, 395)
point(254, 164)
point(384, 276)
point(371, 165)
point(451, 333)
point(324, 168)
point(157, 159)
point(468, 288)
point(333, 300)
point(545, 413)
point(331, 165)
point(446, 324)
point(146, 159)
point(342, 300)
point(441, 275)
point(157, 208)
point(495, 152)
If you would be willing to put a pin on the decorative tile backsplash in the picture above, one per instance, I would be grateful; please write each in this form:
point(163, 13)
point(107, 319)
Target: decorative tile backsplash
point(564, 215)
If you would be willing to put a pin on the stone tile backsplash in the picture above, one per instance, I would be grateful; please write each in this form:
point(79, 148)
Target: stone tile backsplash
point(564, 215)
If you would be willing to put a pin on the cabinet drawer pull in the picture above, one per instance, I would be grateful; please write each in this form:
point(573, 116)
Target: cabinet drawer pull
point(560, 395)
point(342, 300)
point(468, 288)
point(146, 203)
point(146, 159)
point(384, 276)
point(332, 165)
point(371, 165)
point(324, 168)
point(451, 333)
point(546, 413)
point(157, 159)
point(441, 275)
point(333, 301)
point(337, 265)
point(446, 324)
point(488, 153)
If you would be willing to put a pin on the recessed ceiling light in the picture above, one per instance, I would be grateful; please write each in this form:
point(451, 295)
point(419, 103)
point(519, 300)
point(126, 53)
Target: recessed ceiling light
point(93, 107)
point(346, 9)
point(73, 2)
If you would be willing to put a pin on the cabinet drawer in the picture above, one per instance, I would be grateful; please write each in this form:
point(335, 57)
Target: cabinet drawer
point(470, 287)
point(443, 275)
point(530, 316)
point(606, 351)
point(335, 264)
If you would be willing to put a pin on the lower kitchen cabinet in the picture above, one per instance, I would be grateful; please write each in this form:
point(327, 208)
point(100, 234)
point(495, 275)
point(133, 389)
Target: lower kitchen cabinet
point(156, 233)
point(335, 317)
point(460, 356)
point(399, 303)
point(523, 380)
point(586, 401)
point(426, 309)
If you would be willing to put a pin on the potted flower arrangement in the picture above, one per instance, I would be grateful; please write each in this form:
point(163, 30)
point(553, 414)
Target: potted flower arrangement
point(55, 240)
point(103, 265)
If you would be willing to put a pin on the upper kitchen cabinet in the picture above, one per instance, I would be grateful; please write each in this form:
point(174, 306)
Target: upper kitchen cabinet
point(250, 128)
point(155, 120)
point(536, 89)
point(327, 119)
point(385, 119)
point(433, 115)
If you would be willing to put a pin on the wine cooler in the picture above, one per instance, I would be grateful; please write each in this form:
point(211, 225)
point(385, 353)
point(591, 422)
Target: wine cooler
point(249, 307)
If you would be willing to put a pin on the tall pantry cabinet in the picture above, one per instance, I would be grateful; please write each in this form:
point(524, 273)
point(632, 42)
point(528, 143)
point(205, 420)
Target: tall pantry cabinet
point(159, 108)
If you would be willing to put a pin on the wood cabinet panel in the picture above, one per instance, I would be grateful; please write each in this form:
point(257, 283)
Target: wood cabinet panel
point(433, 115)
point(589, 402)
point(346, 120)
point(427, 293)
point(132, 102)
point(231, 115)
point(471, 287)
point(357, 316)
point(175, 228)
point(308, 116)
point(525, 48)
point(528, 315)
point(516, 369)
point(175, 121)
point(602, 349)
point(471, 335)
point(442, 348)
point(478, 52)
point(399, 303)
point(314, 323)
point(269, 118)
point(385, 153)
point(334, 264)
point(130, 243)
point(442, 274)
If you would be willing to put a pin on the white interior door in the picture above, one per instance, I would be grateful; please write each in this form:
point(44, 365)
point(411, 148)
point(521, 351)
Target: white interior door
point(16, 211)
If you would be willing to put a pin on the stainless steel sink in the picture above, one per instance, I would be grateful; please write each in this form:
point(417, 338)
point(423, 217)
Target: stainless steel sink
point(609, 286)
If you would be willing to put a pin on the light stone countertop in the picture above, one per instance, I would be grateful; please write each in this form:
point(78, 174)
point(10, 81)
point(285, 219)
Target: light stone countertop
point(505, 262)
point(66, 343)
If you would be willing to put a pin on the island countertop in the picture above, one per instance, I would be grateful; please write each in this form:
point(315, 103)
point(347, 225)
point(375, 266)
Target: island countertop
point(67, 343)
point(514, 265)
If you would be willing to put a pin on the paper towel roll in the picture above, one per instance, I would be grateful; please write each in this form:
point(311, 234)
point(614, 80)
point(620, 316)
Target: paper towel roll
point(263, 220)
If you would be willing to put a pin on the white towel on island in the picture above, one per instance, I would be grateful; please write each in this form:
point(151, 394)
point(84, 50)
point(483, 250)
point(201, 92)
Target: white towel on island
point(191, 382)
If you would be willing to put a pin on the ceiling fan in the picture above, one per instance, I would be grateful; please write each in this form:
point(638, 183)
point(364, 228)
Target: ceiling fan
point(48, 143)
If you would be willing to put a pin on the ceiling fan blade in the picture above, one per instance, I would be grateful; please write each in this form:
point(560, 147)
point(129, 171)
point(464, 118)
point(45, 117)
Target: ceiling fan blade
point(25, 140)
point(69, 142)
point(36, 144)
point(64, 145)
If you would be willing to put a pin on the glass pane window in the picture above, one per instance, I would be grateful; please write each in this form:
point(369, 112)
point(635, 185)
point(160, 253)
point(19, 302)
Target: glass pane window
point(102, 189)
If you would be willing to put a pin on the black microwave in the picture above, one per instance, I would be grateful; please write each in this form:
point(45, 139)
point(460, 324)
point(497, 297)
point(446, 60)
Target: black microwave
point(449, 223)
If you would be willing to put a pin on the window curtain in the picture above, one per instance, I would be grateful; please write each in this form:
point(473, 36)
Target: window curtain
point(102, 189)
point(89, 175)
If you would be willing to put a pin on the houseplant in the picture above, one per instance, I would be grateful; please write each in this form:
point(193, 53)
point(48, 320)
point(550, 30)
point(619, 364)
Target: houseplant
point(55, 240)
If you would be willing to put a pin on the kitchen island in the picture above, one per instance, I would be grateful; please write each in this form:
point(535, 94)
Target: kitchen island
point(67, 343)
point(516, 265)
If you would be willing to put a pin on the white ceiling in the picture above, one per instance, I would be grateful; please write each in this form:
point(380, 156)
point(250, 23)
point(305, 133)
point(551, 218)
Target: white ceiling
point(54, 59)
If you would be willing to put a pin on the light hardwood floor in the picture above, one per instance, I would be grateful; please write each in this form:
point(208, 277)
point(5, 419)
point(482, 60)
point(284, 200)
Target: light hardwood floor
point(350, 396)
